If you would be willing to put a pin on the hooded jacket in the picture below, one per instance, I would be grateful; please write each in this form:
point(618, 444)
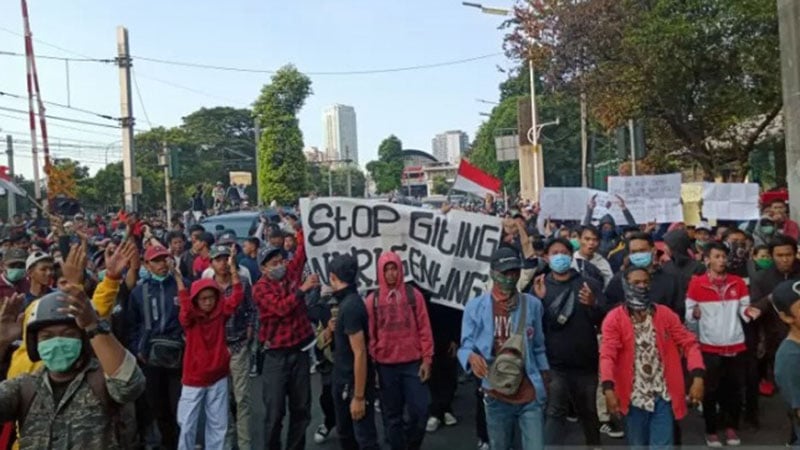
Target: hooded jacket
point(399, 332)
point(206, 358)
point(612, 243)
point(681, 265)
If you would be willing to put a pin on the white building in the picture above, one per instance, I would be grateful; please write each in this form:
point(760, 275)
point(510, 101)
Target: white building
point(339, 133)
point(314, 155)
point(450, 145)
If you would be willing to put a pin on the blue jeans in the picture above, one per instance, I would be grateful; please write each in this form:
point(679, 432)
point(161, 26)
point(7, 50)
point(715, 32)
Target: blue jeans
point(402, 390)
point(501, 418)
point(652, 430)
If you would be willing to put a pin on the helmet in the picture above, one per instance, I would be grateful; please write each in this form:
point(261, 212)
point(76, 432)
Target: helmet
point(45, 313)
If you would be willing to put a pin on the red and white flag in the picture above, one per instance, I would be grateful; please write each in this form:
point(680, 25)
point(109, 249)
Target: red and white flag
point(475, 181)
point(7, 184)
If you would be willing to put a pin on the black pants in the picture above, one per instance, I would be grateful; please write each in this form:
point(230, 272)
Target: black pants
point(580, 389)
point(480, 413)
point(286, 376)
point(360, 435)
point(443, 384)
point(327, 406)
point(724, 384)
point(162, 391)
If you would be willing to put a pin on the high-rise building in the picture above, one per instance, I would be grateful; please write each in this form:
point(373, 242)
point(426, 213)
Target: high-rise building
point(314, 155)
point(450, 145)
point(340, 136)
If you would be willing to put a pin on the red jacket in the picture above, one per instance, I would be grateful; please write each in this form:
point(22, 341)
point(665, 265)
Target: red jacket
point(791, 229)
point(398, 332)
point(721, 307)
point(206, 359)
point(618, 353)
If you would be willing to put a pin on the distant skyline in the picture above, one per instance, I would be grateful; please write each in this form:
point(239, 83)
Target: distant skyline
point(315, 35)
point(340, 133)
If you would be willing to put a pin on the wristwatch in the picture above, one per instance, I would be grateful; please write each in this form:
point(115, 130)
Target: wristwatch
point(103, 327)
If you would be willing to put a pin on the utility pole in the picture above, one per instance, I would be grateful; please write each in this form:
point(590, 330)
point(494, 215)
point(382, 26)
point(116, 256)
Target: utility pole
point(789, 30)
point(126, 114)
point(348, 162)
point(167, 181)
point(330, 179)
point(584, 143)
point(632, 132)
point(12, 198)
point(257, 130)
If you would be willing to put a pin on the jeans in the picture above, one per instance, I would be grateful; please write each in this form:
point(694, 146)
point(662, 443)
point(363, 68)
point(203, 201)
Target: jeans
point(360, 435)
point(285, 376)
point(724, 385)
point(327, 406)
point(501, 418)
point(162, 391)
point(650, 429)
point(402, 390)
point(239, 427)
point(212, 402)
point(480, 412)
point(579, 389)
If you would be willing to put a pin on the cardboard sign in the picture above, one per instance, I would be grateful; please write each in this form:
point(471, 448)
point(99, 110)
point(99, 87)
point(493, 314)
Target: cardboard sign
point(730, 201)
point(650, 197)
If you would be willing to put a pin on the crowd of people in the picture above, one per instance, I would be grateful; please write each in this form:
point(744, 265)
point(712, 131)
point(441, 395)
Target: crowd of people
point(120, 332)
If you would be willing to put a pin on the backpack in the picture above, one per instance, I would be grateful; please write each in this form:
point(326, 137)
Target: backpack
point(508, 367)
point(122, 415)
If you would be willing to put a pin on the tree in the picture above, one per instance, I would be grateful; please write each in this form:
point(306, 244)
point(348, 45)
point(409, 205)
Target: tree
point(387, 171)
point(440, 185)
point(318, 180)
point(283, 175)
point(704, 74)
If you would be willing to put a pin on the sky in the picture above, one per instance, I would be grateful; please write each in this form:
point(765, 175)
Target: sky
point(314, 35)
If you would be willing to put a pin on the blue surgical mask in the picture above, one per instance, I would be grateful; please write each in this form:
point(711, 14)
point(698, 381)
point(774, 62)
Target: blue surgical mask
point(101, 275)
point(158, 278)
point(59, 353)
point(641, 259)
point(14, 275)
point(560, 263)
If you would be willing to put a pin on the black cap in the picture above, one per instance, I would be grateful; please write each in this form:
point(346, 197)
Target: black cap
point(208, 238)
point(785, 295)
point(506, 258)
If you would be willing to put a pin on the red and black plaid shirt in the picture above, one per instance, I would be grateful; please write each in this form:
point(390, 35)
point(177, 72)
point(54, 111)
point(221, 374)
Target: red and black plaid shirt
point(282, 313)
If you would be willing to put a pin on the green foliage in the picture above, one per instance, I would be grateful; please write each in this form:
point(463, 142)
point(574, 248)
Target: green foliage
point(319, 181)
point(440, 185)
point(388, 169)
point(284, 173)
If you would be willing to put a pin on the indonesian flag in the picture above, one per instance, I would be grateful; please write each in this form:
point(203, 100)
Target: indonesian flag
point(475, 181)
point(7, 184)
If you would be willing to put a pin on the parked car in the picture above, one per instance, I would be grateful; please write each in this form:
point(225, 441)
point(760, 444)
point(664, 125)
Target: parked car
point(243, 223)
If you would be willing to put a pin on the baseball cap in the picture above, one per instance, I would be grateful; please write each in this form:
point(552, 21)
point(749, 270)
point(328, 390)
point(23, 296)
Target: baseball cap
point(154, 252)
point(506, 258)
point(35, 257)
point(270, 253)
point(220, 250)
point(785, 295)
point(703, 226)
point(15, 255)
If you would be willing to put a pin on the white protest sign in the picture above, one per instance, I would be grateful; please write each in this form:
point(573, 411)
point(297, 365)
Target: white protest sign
point(569, 203)
point(446, 254)
point(650, 197)
point(730, 201)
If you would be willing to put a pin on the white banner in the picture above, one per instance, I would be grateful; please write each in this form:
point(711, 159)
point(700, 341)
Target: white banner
point(448, 255)
point(730, 201)
point(650, 197)
point(570, 203)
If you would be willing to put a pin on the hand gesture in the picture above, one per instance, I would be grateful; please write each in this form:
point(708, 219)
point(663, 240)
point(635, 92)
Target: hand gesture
point(121, 259)
point(753, 312)
point(478, 365)
point(74, 268)
point(79, 307)
point(424, 371)
point(539, 287)
point(585, 295)
point(592, 202)
point(232, 261)
point(696, 391)
point(650, 227)
point(311, 282)
point(621, 202)
point(10, 320)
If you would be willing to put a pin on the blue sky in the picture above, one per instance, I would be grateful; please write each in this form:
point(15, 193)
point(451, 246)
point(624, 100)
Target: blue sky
point(315, 35)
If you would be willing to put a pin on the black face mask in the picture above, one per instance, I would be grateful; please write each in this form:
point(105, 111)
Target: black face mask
point(737, 257)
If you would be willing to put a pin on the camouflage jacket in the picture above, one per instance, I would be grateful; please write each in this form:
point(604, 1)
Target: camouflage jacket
point(79, 421)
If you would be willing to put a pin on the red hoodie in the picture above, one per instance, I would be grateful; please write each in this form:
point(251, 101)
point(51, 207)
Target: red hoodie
point(206, 358)
point(400, 333)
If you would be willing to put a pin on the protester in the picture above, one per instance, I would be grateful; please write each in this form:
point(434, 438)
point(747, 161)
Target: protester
point(762, 258)
point(515, 394)
point(588, 261)
point(716, 301)
point(640, 364)
point(13, 280)
point(324, 316)
point(39, 267)
point(187, 259)
point(609, 237)
point(786, 299)
point(206, 361)
point(401, 345)
point(177, 245)
point(446, 329)
point(249, 257)
point(572, 316)
point(779, 212)
point(202, 252)
point(353, 372)
point(681, 264)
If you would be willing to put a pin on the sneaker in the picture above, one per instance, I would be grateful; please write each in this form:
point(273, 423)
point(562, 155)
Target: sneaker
point(450, 419)
point(612, 429)
point(322, 433)
point(433, 424)
point(482, 445)
point(572, 419)
point(766, 388)
point(731, 438)
point(712, 441)
point(377, 404)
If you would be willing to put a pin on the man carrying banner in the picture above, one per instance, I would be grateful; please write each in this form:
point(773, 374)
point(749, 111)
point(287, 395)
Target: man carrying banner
point(401, 344)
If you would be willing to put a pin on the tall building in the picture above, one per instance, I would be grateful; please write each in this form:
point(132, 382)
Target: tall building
point(314, 155)
point(340, 136)
point(450, 145)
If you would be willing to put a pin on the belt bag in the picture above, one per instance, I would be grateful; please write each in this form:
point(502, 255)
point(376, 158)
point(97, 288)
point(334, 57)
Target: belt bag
point(165, 353)
point(508, 368)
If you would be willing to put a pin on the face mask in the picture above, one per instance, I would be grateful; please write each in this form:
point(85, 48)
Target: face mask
point(765, 263)
point(560, 263)
point(277, 273)
point(14, 275)
point(576, 244)
point(636, 298)
point(641, 259)
point(59, 353)
point(701, 243)
point(768, 230)
point(607, 234)
point(144, 273)
point(101, 275)
point(504, 283)
point(158, 278)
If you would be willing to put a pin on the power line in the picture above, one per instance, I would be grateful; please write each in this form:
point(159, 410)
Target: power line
point(55, 143)
point(65, 119)
point(58, 58)
point(71, 52)
point(188, 89)
point(27, 134)
point(141, 102)
point(61, 105)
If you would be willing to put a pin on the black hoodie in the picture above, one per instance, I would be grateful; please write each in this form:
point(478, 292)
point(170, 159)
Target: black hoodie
point(681, 266)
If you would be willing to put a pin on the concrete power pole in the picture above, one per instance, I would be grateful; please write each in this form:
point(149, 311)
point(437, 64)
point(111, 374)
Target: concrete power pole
point(584, 143)
point(789, 23)
point(126, 114)
point(632, 130)
point(12, 199)
point(167, 181)
point(259, 189)
point(349, 167)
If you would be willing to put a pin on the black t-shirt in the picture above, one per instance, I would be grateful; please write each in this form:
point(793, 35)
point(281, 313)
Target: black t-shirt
point(352, 318)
